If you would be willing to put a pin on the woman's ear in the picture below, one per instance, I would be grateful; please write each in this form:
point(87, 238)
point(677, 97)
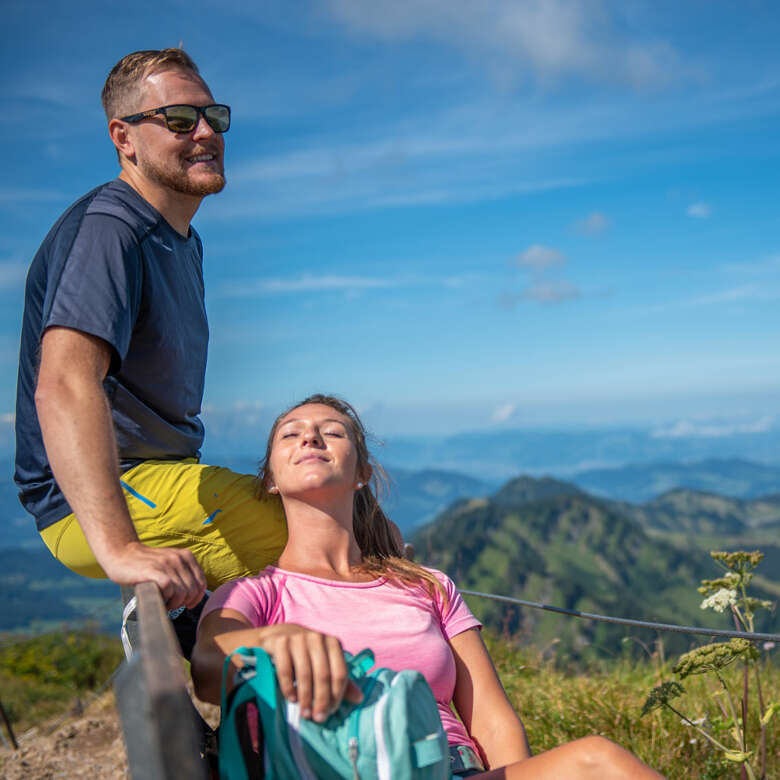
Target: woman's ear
point(365, 475)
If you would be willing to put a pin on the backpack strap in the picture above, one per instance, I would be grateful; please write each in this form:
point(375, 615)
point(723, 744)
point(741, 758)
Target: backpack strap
point(257, 658)
point(258, 673)
point(359, 664)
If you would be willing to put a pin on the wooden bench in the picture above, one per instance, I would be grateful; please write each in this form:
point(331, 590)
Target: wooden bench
point(159, 722)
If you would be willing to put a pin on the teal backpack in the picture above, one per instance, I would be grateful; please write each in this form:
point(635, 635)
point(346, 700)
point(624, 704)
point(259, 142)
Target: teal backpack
point(395, 733)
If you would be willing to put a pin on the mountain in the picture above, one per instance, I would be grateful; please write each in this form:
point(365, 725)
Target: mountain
point(416, 497)
point(523, 489)
point(18, 528)
point(501, 452)
point(40, 593)
point(696, 512)
point(568, 550)
point(643, 481)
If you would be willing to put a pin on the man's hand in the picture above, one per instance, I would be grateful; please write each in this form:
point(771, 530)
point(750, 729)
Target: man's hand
point(78, 434)
point(173, 570)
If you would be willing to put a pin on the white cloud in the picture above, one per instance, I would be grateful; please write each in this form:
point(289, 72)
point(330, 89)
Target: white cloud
point(305, 283)
point(552, 292)
point(539, 257)
point(312, 283)
point(594, 224)
point(684, 428)
point(745, 292)
point(699, 210)
point(503, 413)
point(545, 292)
point(739, 294)
point(550, 38)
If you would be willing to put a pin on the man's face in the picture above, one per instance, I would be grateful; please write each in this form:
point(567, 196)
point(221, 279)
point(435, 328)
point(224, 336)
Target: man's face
point(190, 163)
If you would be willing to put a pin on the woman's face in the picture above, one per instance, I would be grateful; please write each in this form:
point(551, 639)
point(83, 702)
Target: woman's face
point(313, 449)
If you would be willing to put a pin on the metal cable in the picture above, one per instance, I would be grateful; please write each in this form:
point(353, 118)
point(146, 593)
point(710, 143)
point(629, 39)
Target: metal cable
point(627, 621)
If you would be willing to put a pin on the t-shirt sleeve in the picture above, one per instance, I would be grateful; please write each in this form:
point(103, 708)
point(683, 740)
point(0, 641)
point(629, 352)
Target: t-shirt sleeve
point(99, 287)
point(455, 615)
point(251, 596)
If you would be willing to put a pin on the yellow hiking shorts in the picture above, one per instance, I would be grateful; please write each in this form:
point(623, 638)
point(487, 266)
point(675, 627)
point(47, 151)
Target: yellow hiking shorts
point(210, 510)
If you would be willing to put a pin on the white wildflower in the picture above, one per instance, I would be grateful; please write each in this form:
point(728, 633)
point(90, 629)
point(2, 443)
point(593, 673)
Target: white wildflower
point(720, 600)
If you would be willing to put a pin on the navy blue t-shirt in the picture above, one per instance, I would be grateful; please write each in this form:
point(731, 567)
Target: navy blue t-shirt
point(113, 267)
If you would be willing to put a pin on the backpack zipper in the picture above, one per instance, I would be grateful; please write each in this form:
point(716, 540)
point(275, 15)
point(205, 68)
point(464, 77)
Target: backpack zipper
point(353, 754)
point(354, 728)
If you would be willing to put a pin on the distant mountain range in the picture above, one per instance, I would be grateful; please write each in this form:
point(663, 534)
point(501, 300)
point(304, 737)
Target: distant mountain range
point(644, 481)
point(39, 593)
point(416, 497)
point(538, 538)
point(498, 455)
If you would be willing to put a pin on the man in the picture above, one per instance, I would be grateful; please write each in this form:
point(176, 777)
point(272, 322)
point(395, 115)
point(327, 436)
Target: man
point(113, 358)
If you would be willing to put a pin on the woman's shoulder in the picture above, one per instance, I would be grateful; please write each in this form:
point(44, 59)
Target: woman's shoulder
point(253, 595)
point(264, 581)
point(442, 577)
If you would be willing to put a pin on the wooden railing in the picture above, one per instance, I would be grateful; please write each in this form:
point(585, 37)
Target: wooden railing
point(159, 721)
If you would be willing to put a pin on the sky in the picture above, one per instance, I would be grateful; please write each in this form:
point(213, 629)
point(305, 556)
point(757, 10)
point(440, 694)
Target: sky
point(456, 214)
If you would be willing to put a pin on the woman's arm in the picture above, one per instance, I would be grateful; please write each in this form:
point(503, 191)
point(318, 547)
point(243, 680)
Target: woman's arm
point(309, 666)
point(483, 705)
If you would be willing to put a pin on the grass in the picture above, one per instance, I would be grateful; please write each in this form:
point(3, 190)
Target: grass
point(40, 678)
point(558, 705)
point(43, 677)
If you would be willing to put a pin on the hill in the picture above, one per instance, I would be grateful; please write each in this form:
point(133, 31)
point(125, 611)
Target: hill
point(639, 482)
point(416, 497)
point(570, 550)
point(39, 593)
point(696, 512)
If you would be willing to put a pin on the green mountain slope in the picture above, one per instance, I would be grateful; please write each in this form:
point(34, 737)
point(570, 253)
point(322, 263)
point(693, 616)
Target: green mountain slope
point(569, 550)
point(697, 512)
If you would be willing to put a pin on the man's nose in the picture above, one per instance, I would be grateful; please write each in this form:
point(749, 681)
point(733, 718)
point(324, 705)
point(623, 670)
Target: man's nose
point(203, 129)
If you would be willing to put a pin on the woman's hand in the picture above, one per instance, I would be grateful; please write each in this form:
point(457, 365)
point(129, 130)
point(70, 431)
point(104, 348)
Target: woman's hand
point(310, 668)
point(309, 665)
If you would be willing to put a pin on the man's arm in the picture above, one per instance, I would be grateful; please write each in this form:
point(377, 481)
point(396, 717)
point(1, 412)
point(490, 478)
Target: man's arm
point(78, 434)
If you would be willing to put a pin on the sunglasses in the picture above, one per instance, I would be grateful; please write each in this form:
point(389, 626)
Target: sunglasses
point(184, 118)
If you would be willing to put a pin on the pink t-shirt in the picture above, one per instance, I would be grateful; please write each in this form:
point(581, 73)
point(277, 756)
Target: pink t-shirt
point(404, 627)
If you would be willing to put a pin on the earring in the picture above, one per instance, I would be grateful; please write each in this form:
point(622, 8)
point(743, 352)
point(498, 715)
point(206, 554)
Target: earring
point(273, 489)
point(359, 485)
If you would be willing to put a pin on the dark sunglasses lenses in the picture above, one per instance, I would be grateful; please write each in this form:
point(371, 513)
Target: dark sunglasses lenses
point(182, 119)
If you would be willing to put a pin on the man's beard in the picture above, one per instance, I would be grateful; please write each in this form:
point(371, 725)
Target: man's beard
point(177, 179)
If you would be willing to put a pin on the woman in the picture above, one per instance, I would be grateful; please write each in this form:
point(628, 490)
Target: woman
point(341, 581)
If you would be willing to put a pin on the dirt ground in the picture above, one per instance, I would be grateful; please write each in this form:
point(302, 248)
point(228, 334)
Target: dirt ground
point(89, 745)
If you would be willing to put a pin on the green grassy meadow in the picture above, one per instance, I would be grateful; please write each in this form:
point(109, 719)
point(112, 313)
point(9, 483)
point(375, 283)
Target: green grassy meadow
point(41, 678)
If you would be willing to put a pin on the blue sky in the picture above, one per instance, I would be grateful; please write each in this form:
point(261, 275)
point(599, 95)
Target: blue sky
point(456, 214)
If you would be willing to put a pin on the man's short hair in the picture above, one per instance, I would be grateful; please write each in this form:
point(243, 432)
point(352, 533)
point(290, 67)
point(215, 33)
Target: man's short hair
point(122, 89)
